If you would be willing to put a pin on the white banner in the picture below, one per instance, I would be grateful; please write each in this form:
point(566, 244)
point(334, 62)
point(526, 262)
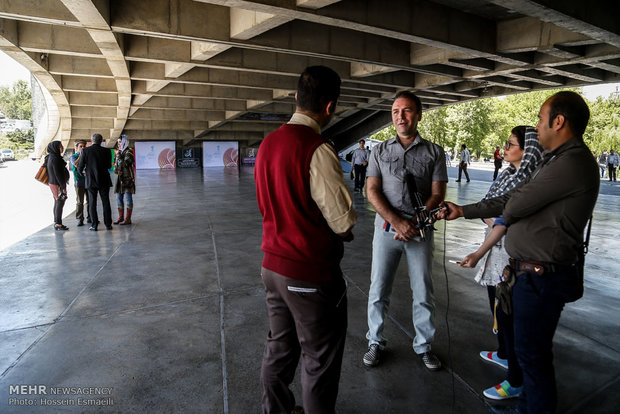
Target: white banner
point(220, 154)
point(155, 154)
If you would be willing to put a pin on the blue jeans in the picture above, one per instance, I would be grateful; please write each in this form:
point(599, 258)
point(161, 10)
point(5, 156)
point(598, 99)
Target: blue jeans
point(386, 253)
point(128, 199)
point(537, 304)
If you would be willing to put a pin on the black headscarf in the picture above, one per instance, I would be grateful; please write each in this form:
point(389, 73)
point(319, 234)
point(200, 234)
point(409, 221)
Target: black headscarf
point(58, 173)
point(53, 148)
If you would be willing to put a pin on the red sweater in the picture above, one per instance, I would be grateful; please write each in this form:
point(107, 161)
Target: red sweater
point(297, 241)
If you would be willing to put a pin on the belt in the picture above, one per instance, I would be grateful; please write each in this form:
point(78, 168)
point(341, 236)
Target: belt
point(532, 266)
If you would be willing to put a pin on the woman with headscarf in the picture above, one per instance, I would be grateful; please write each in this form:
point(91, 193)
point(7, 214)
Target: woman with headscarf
point(524, 153)
point(58, 178)
point(126, 182)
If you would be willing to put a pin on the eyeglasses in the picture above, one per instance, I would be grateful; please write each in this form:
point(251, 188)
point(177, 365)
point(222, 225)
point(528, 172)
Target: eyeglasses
point(509, 144)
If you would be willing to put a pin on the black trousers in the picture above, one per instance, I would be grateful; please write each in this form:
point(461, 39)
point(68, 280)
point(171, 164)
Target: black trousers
point(58, 205)
point(307, 319)
point(498, 166)
point(506, 341)
point(104, 193)
point(463, 168)
point(612, 172)
point(538, 302)
point(360, 176)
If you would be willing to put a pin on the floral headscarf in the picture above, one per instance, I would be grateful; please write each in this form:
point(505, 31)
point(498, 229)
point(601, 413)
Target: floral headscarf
point(512, 178)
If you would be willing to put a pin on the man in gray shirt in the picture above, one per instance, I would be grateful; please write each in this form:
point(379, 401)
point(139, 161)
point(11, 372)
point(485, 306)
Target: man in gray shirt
point(395, 226)
point(359, 161)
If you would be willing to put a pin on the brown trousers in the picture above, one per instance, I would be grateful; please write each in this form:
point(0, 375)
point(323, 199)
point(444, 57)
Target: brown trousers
point(309, 317)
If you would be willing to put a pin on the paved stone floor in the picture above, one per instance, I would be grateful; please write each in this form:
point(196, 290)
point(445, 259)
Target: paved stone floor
point(168, 315)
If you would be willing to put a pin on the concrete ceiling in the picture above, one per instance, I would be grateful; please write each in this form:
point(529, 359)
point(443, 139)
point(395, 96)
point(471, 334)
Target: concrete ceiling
point(193, 70)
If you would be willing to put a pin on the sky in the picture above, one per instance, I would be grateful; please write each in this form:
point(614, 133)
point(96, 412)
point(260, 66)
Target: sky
point(13, 71)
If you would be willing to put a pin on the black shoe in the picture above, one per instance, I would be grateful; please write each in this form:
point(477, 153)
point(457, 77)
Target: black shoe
point(58, 227)
point(431, 361)
point(457, 181)
point(371, 357)
point(108, 227)
point(92, 228)
point(81, 223)
point(468, 180)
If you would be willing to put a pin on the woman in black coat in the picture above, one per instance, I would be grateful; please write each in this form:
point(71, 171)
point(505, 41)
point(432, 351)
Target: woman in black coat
point(58, 178)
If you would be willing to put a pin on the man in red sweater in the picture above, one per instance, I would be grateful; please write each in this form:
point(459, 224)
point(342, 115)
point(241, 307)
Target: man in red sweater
point(307, 214)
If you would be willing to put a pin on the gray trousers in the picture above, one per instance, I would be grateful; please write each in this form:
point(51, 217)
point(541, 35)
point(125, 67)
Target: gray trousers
point(309, 317)
point(80, 197)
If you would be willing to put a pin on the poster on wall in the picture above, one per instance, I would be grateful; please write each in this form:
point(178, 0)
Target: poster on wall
point(220, 154)
point(188, 158)
point(155, 154)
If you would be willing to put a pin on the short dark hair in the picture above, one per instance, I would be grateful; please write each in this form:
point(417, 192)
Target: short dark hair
point(96, 138)
point(412, 96)
point(463, 146)
point(317, 86)
point(519, 132)
point(574, 109)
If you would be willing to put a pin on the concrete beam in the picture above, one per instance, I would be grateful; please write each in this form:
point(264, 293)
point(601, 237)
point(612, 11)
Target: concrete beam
point(92, 99)
point(246, 24)
point(92, 123)
point(427, 23)
point(160, 102)
point(37, 37)
point(204, 91)
point(530, 34)
point(92, 112)
point(315, 4)
point(74, 65)
point(178, 115)
point(599, 23)
point(86, 84)
point(158, 135)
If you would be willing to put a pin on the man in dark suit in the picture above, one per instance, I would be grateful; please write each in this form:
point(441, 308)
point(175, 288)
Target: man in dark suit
point(97, 160)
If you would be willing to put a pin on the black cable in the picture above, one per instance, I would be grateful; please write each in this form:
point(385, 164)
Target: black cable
point(445, 272)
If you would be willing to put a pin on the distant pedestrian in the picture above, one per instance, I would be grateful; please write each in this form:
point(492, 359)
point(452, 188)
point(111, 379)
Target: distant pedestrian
point(498, 160)
point(58, 178)
point(448, 159)
point(126, 182)
point(613, 160)
point(602, 162)
point(80, 184)
point(96, 160)
point(360, 163)
point(464, 162)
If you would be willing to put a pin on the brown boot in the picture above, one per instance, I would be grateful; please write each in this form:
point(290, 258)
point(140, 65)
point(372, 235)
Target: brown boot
point(121, 216)
point(128, 217)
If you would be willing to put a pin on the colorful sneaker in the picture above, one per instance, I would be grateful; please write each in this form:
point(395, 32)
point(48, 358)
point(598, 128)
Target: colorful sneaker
point(492, 357)
point(502, 391)
point(371, 357)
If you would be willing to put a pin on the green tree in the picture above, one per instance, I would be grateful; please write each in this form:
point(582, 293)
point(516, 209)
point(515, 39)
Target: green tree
point(603, 131)
point(16, 101)
point(385, 134)
point(434, 127)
